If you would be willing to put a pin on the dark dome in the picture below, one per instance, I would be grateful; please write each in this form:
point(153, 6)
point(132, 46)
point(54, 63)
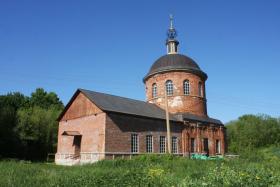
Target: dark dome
point(175, 62)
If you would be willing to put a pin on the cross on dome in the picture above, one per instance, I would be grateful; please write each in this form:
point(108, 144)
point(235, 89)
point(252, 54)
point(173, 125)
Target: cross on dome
point(171, 42)
point(171, 33)
point(171, 21)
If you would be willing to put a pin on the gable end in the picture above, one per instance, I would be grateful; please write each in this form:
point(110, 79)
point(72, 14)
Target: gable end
point(79, 106)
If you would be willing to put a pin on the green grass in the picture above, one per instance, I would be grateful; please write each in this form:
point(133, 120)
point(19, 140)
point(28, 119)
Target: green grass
point(145, 171)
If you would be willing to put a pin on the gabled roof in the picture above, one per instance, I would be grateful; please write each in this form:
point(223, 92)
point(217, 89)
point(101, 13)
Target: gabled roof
point(112, 103)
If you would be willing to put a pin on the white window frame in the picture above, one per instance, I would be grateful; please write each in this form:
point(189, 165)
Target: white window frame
point(186, 87)
point(134, 143)
point(162, 144)
point(154, 90)
point(169, 87)
point(174, 143)
point(218, 146)
point(149, 144)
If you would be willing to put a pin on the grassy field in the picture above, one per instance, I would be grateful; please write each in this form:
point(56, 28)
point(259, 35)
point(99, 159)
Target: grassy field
point(146, 171)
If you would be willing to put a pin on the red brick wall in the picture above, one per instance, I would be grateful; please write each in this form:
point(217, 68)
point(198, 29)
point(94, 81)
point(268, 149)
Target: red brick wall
point(119, 128)
point(86, 118)
point(81, 106)
point(209, 131)
point(92, 129)
point(178, 103)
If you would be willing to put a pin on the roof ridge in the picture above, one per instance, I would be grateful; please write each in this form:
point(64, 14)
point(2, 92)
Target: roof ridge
point(81, 89)
point(125, 105)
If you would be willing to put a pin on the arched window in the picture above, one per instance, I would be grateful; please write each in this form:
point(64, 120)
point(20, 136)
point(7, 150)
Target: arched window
point(154, 90)
point(186, 87)
point(200, 90)
point(169, 87)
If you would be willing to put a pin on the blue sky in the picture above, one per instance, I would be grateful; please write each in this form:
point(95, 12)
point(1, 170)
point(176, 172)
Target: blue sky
point(109, 46)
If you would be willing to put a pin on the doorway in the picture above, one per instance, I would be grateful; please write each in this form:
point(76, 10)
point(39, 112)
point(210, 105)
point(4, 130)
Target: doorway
point(77, 145)
point(192, 145)
point(205, 146)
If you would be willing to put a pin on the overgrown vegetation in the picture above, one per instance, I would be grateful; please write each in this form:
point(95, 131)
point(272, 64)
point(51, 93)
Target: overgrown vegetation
point(28, 126)
point(145, 171)
point(250, 133)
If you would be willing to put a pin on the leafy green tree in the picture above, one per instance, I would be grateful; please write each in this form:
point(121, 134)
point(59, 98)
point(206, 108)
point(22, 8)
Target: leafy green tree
point(28, 126)
point(252, 132)
point(45, 100)
point(37, 129)
point(9, 104)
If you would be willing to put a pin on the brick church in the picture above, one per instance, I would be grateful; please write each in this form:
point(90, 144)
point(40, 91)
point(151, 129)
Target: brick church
point(96, 126)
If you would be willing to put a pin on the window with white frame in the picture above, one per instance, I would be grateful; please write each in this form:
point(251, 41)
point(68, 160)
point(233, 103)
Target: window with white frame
point(186, 87)
point(134, 143)
point(218, 147)
point(174, 144)
point(200, 90)
point(154, 90)
point(169, 87)
point(162, 144)
point(149, 143)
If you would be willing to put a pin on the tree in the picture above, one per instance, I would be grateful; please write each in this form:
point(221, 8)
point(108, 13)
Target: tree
point(28, 126)
point(45, 100)
point(251, 132)
point(9, 104)
point(37, 130)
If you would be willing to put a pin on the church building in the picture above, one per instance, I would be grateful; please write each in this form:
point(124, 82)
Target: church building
point(96, 126)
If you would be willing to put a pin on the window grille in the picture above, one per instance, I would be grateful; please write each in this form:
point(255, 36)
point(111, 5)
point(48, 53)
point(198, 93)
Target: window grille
point(134, 143)
point(149, 143)
point(186, 87)
point(154, 90)
point(174, 145)
point(162, 144)
point(169, 87)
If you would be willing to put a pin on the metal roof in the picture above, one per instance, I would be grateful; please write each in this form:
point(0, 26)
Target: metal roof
point(175, 62)
point(107, 102)
point(112, 103)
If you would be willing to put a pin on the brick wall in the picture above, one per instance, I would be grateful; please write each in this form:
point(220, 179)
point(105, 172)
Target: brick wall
point(178, 103)
point(80, 107)
point(92, 129)
point(87, 119)
point(199, 132)
point(119, 128)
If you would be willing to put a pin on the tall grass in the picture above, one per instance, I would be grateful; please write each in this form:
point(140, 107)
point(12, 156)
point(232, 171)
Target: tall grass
point(144, 171)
